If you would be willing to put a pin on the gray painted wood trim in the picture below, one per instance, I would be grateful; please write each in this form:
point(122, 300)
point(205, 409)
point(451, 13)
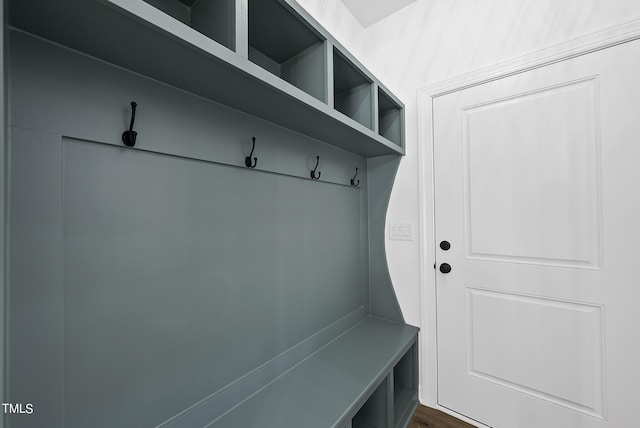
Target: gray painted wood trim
point(35, 269)
point(373, 90)
point(381, 173)
point(375, 108)
point(403, 128)
point(242, 28)
point(328, 51)
point(3, 206)
point(390, 400)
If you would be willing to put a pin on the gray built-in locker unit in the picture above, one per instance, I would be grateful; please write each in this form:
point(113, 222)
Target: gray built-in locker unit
point(225, 269)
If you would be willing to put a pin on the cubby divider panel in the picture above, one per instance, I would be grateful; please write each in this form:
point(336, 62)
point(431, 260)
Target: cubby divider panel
point(213, 18)
point(373, 414)
point(285, 45)
point(352, 91)
point(389, 118)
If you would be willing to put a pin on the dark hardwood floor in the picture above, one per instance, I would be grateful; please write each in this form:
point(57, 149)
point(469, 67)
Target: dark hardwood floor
point(426, 417)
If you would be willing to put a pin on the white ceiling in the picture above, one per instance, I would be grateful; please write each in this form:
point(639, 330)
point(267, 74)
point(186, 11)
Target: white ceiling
point(368, 12)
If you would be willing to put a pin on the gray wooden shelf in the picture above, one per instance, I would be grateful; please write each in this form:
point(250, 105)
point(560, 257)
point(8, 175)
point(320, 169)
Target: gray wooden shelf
point(328, 388)
point(178, 50)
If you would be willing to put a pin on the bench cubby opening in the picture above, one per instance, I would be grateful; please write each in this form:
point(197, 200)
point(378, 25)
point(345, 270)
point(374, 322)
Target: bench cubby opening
point(389, 118)
point(283, 44)
point(373, 414)
point(352, 92)
point(405, 386)
point(213, 18)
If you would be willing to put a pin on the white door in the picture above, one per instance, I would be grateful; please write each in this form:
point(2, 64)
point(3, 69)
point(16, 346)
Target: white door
point(537, 190)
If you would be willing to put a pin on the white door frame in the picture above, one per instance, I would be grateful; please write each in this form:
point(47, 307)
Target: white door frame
point(428, 349)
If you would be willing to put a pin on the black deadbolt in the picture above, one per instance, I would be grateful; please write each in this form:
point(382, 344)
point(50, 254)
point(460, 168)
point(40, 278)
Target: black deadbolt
point(444, 245)
point(445, 268)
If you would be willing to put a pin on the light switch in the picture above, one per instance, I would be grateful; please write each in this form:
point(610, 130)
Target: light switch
point(401, 231)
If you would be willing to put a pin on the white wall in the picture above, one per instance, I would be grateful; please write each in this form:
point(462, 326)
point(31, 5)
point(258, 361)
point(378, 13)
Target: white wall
point(336, 18)
point(433, 40)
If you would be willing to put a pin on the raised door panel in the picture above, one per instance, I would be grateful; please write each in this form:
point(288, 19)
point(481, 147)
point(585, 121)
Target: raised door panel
point(532, 179)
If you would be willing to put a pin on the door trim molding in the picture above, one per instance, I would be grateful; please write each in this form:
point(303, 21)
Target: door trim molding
point(599, 40)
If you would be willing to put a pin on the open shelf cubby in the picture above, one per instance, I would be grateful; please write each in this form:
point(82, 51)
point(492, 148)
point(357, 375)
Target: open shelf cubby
point(285, 45)
point(352, 92)
point(373, 414)
point(405, 385)
point(389, 118)
point(213, 18)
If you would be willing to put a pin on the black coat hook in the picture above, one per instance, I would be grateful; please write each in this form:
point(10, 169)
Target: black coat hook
point(129, 137)
point(353, 180)
point(247, 160)
point(313, 171)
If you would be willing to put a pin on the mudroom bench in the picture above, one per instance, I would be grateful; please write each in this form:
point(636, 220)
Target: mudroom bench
point(367, 377)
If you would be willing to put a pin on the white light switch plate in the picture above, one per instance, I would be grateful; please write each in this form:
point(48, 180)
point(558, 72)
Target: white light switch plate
point(401, 231)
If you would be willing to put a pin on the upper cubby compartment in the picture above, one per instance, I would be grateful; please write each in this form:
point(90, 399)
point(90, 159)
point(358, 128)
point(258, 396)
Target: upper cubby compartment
point(283, 44)
point(202, 46)
point(389, 118)
point(352, 91)
point(213, 18)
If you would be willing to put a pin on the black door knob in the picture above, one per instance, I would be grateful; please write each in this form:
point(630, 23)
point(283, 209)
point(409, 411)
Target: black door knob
point(445, 268)
point(444, 245)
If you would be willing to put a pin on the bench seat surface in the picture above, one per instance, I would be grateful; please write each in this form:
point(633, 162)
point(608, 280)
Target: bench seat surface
point(328, 386)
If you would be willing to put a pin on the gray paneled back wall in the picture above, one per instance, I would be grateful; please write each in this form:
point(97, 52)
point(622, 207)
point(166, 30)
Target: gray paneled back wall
point(144, 280)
